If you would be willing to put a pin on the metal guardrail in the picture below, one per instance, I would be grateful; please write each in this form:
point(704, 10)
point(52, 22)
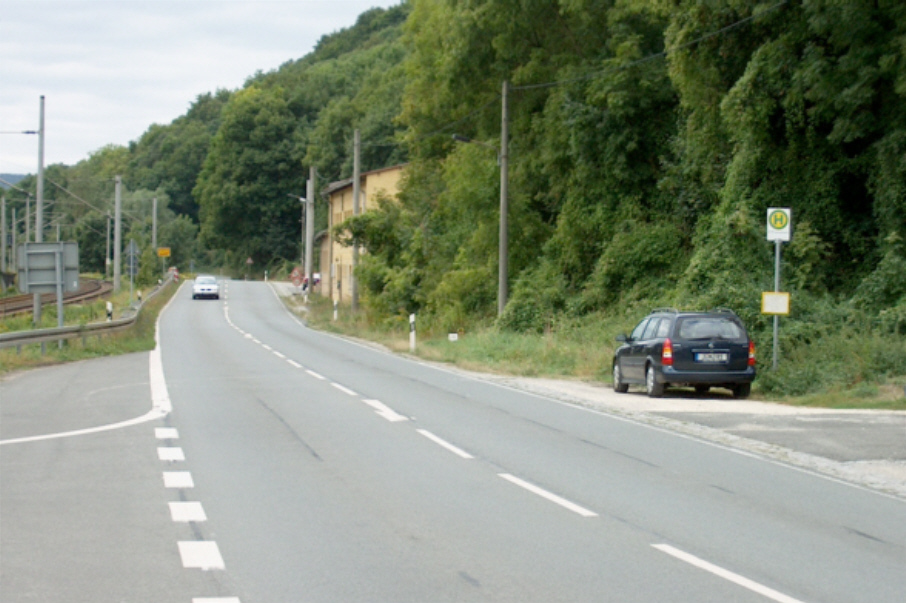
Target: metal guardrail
point(20, 338)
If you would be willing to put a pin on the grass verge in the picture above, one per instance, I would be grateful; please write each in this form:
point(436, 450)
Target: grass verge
point(854, 372)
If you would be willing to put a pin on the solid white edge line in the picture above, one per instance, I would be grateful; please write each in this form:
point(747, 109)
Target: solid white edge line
point(457, 451)
point(345, 390)
point(160, 397)
point(726, 574)
point(548, 495)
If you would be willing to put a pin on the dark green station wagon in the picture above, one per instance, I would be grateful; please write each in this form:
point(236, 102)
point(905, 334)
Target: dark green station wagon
point(697, 349)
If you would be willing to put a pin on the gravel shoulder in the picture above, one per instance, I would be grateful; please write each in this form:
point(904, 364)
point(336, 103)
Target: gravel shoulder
point(862, 447)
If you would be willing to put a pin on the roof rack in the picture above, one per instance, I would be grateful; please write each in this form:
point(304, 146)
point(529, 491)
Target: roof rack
point(720, 310)
point(666, 310)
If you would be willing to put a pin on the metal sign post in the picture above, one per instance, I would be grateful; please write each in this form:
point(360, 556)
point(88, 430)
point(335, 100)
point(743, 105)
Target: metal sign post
point(48, 268)
point(132, 256)
point(779, 230)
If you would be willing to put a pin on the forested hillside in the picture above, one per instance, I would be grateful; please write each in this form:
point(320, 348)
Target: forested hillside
point(222, 172)
point(647, 138)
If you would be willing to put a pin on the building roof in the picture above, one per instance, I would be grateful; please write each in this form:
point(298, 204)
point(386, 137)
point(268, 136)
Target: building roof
point(341, 184)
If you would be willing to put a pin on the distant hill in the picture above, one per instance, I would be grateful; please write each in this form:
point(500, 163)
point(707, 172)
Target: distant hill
point(7, 179)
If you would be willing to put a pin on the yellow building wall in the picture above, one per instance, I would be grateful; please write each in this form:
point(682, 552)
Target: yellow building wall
point(336, 259)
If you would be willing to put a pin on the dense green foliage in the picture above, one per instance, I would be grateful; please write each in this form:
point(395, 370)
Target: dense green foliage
point(647, 138)
point(223, 172)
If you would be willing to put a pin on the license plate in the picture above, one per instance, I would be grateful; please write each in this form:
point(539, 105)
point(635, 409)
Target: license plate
point(711, 357)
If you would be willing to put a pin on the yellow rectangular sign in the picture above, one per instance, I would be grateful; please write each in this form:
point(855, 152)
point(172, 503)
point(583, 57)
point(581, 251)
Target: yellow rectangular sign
point(163, 252)
point(775, 303)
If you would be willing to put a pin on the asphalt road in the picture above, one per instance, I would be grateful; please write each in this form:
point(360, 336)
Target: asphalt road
point(296, 466)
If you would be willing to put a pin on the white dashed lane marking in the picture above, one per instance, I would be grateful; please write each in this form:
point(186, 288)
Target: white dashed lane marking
point(166, 433)
point(443, 443)
point(187, 511)
point(171, 454)
point(742, 581)
point(200, 555)
point(178, 479)
point(548, 495)
point(344, 389)
point(385, 411)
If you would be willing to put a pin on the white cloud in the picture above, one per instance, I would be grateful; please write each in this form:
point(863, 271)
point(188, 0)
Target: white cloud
point(109, 69)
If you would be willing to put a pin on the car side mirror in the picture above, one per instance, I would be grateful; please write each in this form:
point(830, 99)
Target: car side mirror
point(622, 338)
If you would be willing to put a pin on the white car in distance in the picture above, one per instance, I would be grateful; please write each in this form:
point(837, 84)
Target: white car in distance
point(205, 287)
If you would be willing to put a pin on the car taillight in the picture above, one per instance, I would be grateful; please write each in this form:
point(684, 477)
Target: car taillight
point(667, 353)
point(751, 353)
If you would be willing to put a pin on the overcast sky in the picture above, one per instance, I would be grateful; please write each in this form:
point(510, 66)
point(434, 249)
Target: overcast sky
point(108, 69)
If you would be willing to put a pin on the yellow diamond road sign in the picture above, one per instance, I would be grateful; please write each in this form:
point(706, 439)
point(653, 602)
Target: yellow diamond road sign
point(779, 223)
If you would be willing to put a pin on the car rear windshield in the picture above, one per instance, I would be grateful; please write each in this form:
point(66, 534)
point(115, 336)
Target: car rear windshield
point(206, 280)
point(709, 327)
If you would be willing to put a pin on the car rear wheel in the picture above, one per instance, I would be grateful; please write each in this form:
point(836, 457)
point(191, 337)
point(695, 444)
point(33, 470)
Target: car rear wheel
point(742, 390)
point(655, 389)
point(618, 385)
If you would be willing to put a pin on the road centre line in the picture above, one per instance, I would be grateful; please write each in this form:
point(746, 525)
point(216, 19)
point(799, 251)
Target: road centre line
point(343, 389)
point(203, 555)
point(316, 375)
point(385, 411)
point(187, 511)
point(294, 363)
point(455, 450)
point(171, 454)
point(279, 355)
point(166, 433)
point(178, 479)
point(726, 574)
point(548, 495)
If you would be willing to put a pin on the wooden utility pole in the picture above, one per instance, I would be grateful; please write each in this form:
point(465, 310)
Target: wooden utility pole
point(503, 244)
point(356, 191)
point(310, 227)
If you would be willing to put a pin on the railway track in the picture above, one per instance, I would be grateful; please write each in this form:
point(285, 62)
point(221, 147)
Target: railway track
point(89, 290)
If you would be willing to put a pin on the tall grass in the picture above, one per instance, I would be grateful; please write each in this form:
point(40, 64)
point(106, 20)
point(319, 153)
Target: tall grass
point(825, 361)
